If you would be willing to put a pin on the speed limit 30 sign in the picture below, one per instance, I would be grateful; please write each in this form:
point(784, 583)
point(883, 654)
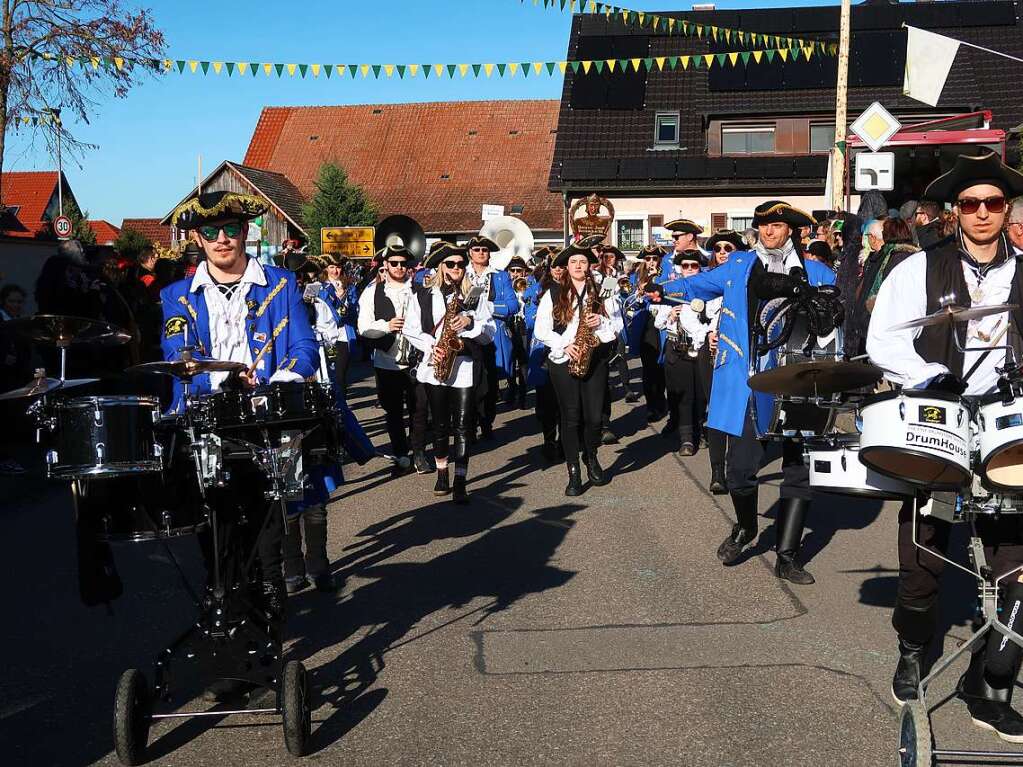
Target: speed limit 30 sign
point(62, 227)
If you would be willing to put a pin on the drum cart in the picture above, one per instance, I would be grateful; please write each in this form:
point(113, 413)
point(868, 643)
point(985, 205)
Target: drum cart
point(916, 739)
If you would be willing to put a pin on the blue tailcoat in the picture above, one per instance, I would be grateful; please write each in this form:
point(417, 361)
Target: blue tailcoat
point(506, 305)
point(536, 375)
point(635, 329)
point(730, 394)
point(294, 349)
point(344, 309)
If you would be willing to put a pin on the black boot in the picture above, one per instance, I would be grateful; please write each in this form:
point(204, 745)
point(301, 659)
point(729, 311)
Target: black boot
point(443, 486)
point(718, 486)
point(422, 462)
point(575, 480)
point(789, 525)
point(458, 492)
point(594, 471)
point(990, 700)
point(744, 532)
point(906, 682)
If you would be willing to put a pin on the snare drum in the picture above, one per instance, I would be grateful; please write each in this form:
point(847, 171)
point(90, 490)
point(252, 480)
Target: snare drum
point(1000, 431)
point(835, 467)
point(921, 437)
point(276, 403)
point(103, 437)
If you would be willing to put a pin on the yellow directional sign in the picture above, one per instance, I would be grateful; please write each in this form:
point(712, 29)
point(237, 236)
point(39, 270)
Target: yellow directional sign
point(352, 241)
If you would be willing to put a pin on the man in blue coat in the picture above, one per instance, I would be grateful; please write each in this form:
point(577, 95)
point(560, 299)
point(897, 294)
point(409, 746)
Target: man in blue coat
point(498, 358)
point(775, 268)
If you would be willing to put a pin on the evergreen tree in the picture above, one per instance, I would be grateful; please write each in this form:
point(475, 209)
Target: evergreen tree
point(130, 243)
point(80, 229)
point(336, 202)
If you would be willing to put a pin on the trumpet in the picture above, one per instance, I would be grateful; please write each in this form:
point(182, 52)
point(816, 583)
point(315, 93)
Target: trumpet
point(519, 286)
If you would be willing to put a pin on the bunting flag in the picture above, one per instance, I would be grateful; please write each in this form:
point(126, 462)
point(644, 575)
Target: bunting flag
point(687, 28)
point(511, 69)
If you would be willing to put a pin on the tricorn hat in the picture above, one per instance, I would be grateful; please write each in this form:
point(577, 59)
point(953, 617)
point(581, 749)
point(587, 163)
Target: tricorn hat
point(441, 250)
point(396, 251)
point(582, 247)
point(479, 241)
point(726, 235)
point(517, 262)
point(779, 212)
point(692, 254)
point(683, 226)
point(209, 207)
point(612, 249)
point(651, 250)
point(970, 171)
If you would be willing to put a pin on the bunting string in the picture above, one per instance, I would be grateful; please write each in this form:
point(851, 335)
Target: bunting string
point(686, 28)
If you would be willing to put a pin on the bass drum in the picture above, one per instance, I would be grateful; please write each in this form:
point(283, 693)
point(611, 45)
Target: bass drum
point(835, 467)
point(921, 437)
point(1000, 431)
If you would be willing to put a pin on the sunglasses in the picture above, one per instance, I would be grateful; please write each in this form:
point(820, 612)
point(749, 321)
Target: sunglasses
point(516, 269)
point(454, 264)
point(690, 265)
point(479, 250)
point(210, 233)
point(722, 247)
point(398, 264)
point(651, 258)
point(676, 235)
point(970, 205)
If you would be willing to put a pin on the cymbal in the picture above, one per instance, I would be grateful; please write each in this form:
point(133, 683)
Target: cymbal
point(37, 387)
point(820, 377)
point(188, 368)
point(61, 330)
point(950, 314)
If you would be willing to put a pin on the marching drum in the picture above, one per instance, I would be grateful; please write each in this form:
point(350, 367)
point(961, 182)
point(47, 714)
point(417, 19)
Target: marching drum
point(102, 437)
point(921, 437)
point(835, 467)
point(1000, 431)
point(277, 403)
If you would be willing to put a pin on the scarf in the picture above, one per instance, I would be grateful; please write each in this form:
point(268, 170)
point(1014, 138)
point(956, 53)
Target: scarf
point(775, 257)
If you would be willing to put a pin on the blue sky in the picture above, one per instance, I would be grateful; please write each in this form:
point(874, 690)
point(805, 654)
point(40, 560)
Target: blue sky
point(149, 142)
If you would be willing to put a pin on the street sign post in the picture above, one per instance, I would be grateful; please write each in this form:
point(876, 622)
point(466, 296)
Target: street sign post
point(351, 241)
point(491, 212)
point(875, 126)
point(875, 171)
point(62, 227)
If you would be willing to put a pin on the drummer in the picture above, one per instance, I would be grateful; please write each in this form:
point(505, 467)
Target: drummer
point(977, 267)
point(746, 278)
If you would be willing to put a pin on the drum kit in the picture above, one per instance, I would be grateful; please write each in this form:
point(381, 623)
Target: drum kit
point(222, 470)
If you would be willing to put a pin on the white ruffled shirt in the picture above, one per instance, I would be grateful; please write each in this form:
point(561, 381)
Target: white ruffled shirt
point(425, 339)
point(545, 333)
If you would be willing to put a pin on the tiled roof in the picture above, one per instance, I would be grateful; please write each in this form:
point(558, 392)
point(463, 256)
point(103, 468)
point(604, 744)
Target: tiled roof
point(436, 162)
point(105, 232)
point(150, 228)
point(609, 148)
point(276, 187)
point(30, 192)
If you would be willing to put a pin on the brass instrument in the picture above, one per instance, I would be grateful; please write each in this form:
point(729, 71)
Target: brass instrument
point(449, 343)
point(681, 342)
point(519, 286)
point(403, 350)
point(585, 340)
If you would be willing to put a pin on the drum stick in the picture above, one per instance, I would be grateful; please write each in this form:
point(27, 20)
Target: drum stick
point(262, 352)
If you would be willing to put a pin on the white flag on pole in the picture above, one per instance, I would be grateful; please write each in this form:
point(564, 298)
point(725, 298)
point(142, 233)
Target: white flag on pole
point(929, 58)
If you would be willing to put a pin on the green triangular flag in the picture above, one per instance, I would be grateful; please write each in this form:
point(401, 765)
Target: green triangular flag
point(720, 59)
point(550, 67)
point(328, 69)
point(353, 70)
point(451, 70)
point(575, 66)
point(697, 61)
point(205, 67)
point(623, 64)
point(230, 68)
point(649, 63)
point(427, 69)
point(476, 69)
point(501, 68)
point(524, 66)
point(745, 57)
point(180, 64)
point(303, 68)
point(673, 61)
point(770, 55)
point(376, 71)
point(279, 68)
point(599, 66)
point(401, 71)
point(253, 67)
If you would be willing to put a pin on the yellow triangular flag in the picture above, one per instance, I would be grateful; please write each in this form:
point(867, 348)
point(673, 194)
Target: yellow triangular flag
point(593, 6)
point(341, 70)
point(784, 53)
point(537, 67)
point(709, 59)
point(660, 62)
point(70, 62)
point(671, 25)
point(513, 68)
point(586, 66)
point(95, 62)
point(636, 63)
point(488, 69)
point(267, 69)
point(413, 69)
point(734, 58)
point(438, 69)
point(625, 16)
point(316, 70)
point(217, 66)
point(119, 63)
point(242, 67)
point(685, 61)
point(463, 68)
point(562, 65)
point(807, 52)
point(291, 69)
point(571, 7)
point(611, 64)
point(168, 64)
point(389, 69)
point(365, 70)
point(757, 55)
point(193, 65)
point(640, 16)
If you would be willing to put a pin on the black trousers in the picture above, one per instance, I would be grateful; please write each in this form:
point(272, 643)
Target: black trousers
point(653, 378)
point(397, 394)
point(313, 523)
point(685, 393)
point(620, 362)
point(915, 615)
point(454, 413)
point(342, 360)
point(743, 464)
point(717, 441)
point(581, 401)
point(486, 392)
point(520, 360)
point(547, 410)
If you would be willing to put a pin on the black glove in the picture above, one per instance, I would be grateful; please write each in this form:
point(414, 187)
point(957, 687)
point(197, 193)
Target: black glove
point(947, 382)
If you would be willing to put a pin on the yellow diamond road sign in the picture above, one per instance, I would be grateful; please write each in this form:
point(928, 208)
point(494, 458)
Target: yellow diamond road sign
point(352, 241)
point(875, 126)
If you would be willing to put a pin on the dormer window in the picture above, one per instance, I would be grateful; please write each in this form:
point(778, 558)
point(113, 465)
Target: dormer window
point(666, 129)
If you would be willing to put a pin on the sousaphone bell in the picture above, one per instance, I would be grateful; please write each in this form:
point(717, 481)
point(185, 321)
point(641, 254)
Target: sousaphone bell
point(403, 231)
point(514, 237)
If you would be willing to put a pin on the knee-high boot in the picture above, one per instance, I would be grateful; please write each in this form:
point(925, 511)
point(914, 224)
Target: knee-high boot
point(791, 518)
point(745, 529)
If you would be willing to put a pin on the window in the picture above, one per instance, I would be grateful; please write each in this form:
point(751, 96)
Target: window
point(748, 140)
point(653, 221)
point(630, 234)
point(718, 221)
point(822, 137)
point(740, 222)
point(666, 128)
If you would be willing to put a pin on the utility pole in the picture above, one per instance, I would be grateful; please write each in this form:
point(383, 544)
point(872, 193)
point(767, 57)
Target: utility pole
point(55, 113)
point(837, 190)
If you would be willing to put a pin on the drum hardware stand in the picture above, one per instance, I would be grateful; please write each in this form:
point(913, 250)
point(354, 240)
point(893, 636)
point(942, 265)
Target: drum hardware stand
point(915, 738)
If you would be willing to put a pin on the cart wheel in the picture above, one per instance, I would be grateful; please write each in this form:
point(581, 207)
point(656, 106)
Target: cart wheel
point(915, 736)
point(131, 717)
point(295, 707)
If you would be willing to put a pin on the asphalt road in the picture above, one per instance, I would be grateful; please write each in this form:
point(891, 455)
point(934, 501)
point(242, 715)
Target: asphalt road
point(524, 629)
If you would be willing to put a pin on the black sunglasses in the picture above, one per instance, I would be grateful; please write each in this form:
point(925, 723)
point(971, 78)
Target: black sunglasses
point(210, 233)
point(454, 264)
point(970, 205)
point(651, 258)
point(398, 264)
point(689, 265)
point(723, 247)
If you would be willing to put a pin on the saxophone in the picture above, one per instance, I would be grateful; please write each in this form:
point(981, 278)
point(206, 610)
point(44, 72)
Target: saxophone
point(449, 343)
point(585, 340)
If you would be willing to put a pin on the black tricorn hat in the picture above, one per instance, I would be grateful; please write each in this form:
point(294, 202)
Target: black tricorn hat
point(780, 212)
point(479, 241)
point(396, 251)
point(441, 250)
point(651, 250)
point(692, 254)
point(517, 262)
point(970, 171)
point(683, 226)
point(582, 247)
point(209, 207)
point(726, 235)
point(612, 249)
